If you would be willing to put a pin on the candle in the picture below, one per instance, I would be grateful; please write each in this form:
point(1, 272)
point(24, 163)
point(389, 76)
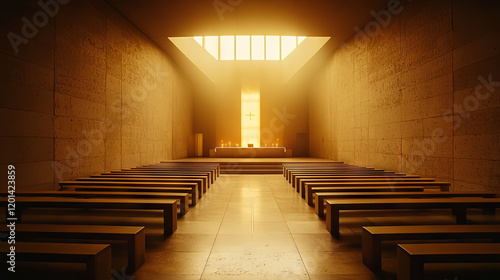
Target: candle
point(229, 144)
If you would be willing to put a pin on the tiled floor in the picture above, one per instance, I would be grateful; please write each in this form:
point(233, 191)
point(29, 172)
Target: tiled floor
point(253, 227)
point(257, 227)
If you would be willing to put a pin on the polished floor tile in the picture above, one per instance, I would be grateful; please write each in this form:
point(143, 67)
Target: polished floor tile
point(195, 227)
point(254, 264)
point(254, 243)
point(325, 243)
point(186, 243)
point(256, 277)
point(257, 228)
point(334, 263)
point(174, 263)
point(304, 227)
point(270, 227)
point(236, 227)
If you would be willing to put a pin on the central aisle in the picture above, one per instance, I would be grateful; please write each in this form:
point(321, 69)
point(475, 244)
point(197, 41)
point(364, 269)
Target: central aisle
point(253, 227)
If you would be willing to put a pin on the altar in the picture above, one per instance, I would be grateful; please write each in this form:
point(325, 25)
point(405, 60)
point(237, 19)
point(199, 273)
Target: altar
point(240, 152)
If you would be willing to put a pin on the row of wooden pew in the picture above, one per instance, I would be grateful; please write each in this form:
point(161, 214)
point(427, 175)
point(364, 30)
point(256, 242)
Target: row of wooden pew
point(171, 187)
point(332, 187)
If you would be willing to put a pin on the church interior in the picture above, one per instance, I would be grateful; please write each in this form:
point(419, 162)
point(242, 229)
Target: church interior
point(250, 139)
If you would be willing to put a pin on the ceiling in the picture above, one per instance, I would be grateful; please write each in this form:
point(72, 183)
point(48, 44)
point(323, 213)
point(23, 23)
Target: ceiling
point(160, 19)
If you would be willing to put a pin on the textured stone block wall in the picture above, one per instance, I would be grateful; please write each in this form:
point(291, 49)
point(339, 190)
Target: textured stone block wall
point(402, 95)
point(87, 93)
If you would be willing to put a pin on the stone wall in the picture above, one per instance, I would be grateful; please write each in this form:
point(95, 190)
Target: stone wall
point(401, 94)
point(84, 92)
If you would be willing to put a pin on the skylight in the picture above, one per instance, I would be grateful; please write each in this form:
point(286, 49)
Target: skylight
point(249, 47)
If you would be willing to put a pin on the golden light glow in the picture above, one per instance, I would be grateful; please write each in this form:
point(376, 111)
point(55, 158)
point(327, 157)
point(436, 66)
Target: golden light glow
point(249, 47)
point(258, 52)
point(242, 47)
point(272, 47)
point(212, 45)
point(226, 47)
point(288, 44)
point(250, 116)
point(199, 40)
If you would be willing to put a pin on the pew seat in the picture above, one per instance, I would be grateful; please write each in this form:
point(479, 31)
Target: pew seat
point(373, 236)
point(134, 236)
point(412, 257)
point(168, 206)
point(307, 194)
point(458, 205)
point(110, 189)
point(320, 197)
point(310, 196)
point(195, 188)
point(182, 198)
point(199, 182)
point(97, 257)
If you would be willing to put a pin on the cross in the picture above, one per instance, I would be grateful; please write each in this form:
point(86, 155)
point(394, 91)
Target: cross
point(250, 115)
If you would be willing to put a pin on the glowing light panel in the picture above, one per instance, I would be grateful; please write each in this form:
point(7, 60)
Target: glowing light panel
point(227, 47)
point(272, 47)
point(242, 47)
point(250, 116)
point(199, 40)
point(288, 44)
point(249, 47)
point(212, 45)
point(258, 52)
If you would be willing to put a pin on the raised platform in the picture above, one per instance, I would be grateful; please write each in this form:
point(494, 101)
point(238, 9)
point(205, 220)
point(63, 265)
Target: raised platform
point(251, 165)
point(239, 152)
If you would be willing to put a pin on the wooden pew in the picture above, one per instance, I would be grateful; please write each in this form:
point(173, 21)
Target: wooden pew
point(92, 188)
point(152, 178)
point(326, 170)
point(320, 198)
point(215, 167)
point(213, 172)
point(193, 188)
point(301, 187)
point(287, 169)
point(308, 187)
point(188, 173)
point(168, 206)
point(201, 185)
point(309, 200)
point(302, 179)
point(182, 198)
point(412, 257)
point(375, 172)
point(96, 256)
point(134, 236)
point(297, 165)
point(373, 236)
point(458, 205)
